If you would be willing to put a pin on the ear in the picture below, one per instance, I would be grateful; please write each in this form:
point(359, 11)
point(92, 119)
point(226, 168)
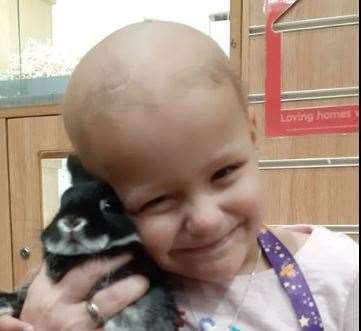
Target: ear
point(252, 124)
point(77, 171)
point(66, 196)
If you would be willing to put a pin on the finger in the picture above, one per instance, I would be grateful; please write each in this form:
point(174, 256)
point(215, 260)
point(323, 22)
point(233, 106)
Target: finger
point(31, 275)
point(114, 298)
point(120, 295)
point(41, 285)
point(42, 274)
point(77, 283)
point(9, 323)
point(41, 280)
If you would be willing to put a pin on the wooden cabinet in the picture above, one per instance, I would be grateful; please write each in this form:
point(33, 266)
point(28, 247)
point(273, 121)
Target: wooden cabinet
point(6, 265)
point(30, 139)
point(320, 59)
point(24, 142)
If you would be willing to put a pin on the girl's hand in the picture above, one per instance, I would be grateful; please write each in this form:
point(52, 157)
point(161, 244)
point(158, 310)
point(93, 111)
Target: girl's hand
point(9, 323)
point(61, 306)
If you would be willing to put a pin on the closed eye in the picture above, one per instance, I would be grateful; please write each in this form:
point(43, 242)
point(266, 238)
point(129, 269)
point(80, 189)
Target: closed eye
point(226, 171)
point(154, 202)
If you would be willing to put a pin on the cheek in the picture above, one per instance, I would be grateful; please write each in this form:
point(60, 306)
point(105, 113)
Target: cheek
point(158, 234)
point(246, 197)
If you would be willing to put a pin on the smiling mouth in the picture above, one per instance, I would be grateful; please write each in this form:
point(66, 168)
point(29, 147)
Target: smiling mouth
point(213, 245)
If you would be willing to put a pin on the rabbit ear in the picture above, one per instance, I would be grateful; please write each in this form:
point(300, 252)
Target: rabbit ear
point(78, 173)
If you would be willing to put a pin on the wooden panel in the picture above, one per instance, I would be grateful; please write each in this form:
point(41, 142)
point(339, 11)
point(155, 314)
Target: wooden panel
point(30, 111)
point(331, 145)
point(312, 196)
point(236, 32)
point(245, 47)
point(320, 103)
point(28, 138)
point(322, 58)
point(307, 9)
point(6, 270)
point(257, 64)
point(313, 59)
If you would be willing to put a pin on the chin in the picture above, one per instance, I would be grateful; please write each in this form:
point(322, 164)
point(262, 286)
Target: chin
point(218, 271)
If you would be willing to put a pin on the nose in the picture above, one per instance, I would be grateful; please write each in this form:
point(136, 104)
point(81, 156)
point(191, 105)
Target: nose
point(204, 216)
point(72, 224)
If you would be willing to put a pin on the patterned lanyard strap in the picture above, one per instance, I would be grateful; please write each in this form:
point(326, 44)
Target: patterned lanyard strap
point(292, 280)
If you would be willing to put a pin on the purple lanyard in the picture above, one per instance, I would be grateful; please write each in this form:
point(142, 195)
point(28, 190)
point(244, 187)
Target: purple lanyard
point(292, 280)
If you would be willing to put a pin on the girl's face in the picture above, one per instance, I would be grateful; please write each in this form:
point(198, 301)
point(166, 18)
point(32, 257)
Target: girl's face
point(187, 174)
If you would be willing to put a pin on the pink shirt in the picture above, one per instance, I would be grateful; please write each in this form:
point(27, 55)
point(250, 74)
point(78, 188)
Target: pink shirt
point(330, 264)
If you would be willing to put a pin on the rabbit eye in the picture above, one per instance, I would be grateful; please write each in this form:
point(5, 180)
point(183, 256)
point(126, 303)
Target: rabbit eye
point(106, 206)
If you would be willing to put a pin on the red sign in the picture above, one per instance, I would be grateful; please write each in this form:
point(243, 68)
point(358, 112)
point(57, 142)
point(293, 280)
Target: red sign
point(329, 119)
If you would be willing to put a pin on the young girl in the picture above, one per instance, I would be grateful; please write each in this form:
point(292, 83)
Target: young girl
point(156, 111)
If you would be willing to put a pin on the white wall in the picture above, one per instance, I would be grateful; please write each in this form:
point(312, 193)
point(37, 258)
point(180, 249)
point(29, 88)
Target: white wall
point(80, 24)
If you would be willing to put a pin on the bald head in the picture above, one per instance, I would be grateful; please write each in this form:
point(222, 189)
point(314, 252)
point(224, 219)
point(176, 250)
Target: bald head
point(141, 67)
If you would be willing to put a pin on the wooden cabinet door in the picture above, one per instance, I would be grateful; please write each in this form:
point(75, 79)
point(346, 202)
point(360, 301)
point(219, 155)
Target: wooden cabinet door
point(6, 270)
point(319, 56)
point(29, 139)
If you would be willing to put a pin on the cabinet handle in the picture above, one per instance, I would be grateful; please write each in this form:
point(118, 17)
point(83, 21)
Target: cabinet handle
point(25, 253)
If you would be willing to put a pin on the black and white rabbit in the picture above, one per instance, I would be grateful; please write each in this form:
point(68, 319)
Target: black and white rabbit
point(91, 223)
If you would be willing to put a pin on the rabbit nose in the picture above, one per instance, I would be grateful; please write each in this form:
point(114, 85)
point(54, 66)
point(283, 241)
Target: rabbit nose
point(72, 224)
